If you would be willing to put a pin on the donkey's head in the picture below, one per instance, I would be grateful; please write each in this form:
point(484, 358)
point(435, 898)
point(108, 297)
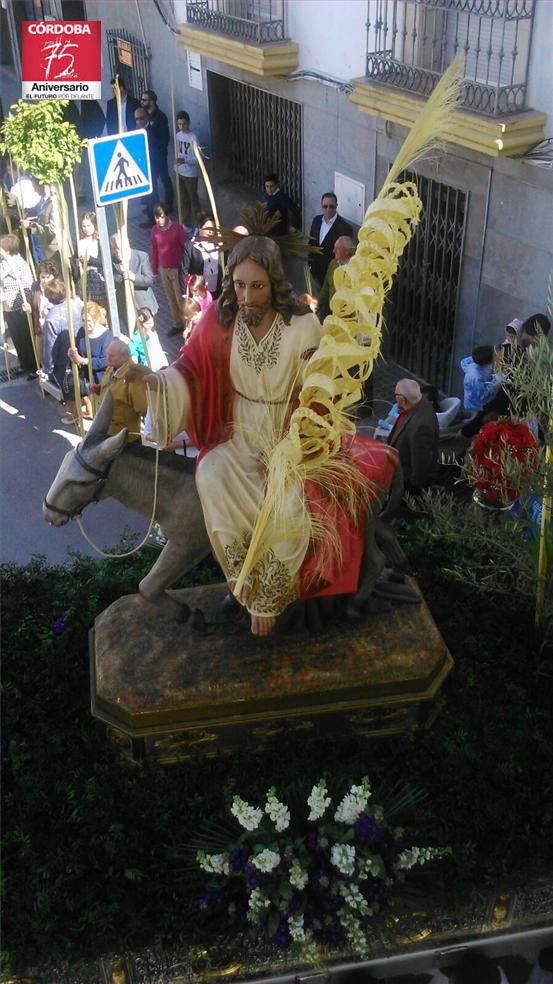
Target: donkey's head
point(84, 470)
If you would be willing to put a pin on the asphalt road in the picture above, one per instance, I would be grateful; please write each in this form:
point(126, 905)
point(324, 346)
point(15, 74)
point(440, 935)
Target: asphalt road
point(33, 442)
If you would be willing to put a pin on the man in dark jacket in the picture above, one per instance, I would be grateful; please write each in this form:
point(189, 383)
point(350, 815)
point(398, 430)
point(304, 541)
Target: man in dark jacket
point(128, 106)
point(325, 230)
point(415, 435)
point(157, 129)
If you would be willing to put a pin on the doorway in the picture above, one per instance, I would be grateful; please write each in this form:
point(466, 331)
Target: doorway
point(422, 306)
point(255, 132)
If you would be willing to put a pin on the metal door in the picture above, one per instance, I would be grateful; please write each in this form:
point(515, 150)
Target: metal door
point(266, 136)
point(421, 309)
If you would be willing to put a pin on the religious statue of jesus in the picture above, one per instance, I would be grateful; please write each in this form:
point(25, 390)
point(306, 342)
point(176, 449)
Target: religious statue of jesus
point(233, 389)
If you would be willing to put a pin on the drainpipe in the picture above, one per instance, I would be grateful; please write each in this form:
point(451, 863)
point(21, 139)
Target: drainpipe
point(482, 252)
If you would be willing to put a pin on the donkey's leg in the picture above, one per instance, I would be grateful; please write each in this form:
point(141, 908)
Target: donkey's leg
point(175, 559)
point(389, 543)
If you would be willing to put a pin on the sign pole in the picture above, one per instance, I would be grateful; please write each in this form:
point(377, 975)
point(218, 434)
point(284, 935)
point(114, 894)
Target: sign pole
point(105, 249)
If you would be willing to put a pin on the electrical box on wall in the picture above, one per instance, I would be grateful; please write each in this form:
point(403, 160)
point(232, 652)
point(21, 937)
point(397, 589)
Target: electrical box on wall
point(351, 198)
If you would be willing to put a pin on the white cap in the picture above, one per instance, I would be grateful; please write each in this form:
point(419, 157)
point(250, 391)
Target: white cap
point(515, 323)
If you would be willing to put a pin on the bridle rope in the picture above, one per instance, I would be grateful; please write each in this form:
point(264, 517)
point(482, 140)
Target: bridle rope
point(99, 481)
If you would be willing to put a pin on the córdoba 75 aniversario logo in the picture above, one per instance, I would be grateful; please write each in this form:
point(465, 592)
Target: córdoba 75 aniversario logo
point(61, 60)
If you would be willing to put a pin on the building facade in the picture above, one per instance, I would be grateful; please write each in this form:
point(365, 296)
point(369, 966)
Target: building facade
point(324, 91)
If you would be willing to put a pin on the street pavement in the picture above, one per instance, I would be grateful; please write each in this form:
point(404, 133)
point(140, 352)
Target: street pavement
point(33, 441)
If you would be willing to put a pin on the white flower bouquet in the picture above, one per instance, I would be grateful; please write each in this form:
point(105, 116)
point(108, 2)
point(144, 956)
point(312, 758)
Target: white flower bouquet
point(320, 879)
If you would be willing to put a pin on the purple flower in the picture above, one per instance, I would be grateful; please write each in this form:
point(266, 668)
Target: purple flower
point(293, 907)
point(282, 936)
point(313, 841)
point(367, 829)
point(207, 901)
point(238, 858)
point(253, 877)
point(60, 624)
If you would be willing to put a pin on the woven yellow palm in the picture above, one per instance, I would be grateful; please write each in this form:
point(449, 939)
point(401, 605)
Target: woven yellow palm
point(333, 377)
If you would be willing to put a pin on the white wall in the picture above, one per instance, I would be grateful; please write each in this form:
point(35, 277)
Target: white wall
point(540, 76)
point(331, 35)
point(142, 19)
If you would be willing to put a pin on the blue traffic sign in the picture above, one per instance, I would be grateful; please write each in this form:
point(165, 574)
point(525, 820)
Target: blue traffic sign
point(120, 167)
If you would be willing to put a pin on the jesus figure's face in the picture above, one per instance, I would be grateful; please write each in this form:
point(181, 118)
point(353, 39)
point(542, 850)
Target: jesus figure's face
point(253, 289)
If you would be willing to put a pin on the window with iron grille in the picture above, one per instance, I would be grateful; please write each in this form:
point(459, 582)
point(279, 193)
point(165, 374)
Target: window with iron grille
point(130, 59)
point(258, 21)
point(410, 43)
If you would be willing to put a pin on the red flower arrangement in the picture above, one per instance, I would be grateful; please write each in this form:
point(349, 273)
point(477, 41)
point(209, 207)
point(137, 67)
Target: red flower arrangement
point(486, 461)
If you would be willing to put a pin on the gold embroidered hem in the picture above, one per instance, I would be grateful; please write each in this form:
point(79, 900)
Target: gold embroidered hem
point(272, 586)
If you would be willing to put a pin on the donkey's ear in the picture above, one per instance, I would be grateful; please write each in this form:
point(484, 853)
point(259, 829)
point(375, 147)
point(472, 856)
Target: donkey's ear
point(98, 429)
point(112, 446)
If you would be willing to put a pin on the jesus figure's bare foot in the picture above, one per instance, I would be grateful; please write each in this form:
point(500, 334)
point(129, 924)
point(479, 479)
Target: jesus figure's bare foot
point(262, 626)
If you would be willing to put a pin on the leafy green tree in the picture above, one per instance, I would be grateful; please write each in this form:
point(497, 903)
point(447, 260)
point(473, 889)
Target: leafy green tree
point(39, 141)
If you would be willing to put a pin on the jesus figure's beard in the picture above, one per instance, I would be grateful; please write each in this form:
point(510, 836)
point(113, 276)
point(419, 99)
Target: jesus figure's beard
point(253, 317)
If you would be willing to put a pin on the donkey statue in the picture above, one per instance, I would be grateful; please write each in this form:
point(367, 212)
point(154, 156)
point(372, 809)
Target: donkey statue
point(102, 467)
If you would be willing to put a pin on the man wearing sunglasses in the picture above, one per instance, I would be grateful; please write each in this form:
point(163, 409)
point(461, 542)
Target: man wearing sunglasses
point(157, 129)
point(325, 230)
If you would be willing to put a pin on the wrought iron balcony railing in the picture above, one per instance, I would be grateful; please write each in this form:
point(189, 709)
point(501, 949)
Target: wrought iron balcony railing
point(410, 43)
point(259, 21)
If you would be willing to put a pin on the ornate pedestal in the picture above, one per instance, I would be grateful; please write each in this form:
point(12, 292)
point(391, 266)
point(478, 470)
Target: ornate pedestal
point(167, 686)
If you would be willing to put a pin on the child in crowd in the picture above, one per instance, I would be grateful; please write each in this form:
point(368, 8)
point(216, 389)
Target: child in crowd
point(480, 379)
point(89, 249)
point(509, 349)
point(158, 359)
point(186, 166)
point(197, 290)
point(167, 241)
point(387, 423)
point(191, 312)
point(512, 332)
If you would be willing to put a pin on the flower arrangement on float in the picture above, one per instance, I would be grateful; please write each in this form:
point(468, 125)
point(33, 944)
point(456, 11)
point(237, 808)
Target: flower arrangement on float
point(503, 453)
point(318, 879)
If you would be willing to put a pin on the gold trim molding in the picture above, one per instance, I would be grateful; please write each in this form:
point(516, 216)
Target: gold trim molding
point(506, 136)
point(278, 59)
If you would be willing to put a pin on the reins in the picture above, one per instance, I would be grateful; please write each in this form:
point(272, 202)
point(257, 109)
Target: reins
point(99, 481)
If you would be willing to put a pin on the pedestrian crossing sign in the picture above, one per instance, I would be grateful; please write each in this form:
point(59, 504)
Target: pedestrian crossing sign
point(120, 167)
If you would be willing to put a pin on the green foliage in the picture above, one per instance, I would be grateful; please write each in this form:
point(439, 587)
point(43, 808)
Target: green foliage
point(95, 845)
point(39, 142)
point(494, 554)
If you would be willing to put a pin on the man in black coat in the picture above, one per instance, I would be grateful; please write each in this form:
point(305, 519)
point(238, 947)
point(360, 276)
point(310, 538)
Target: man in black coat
point(87, 116)
point(128, 106)
point(415, 436)
point(325, 230)
point(157, 128)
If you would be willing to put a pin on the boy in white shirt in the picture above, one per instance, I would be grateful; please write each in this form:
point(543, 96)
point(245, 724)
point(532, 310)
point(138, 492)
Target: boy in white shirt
point(187, 170)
